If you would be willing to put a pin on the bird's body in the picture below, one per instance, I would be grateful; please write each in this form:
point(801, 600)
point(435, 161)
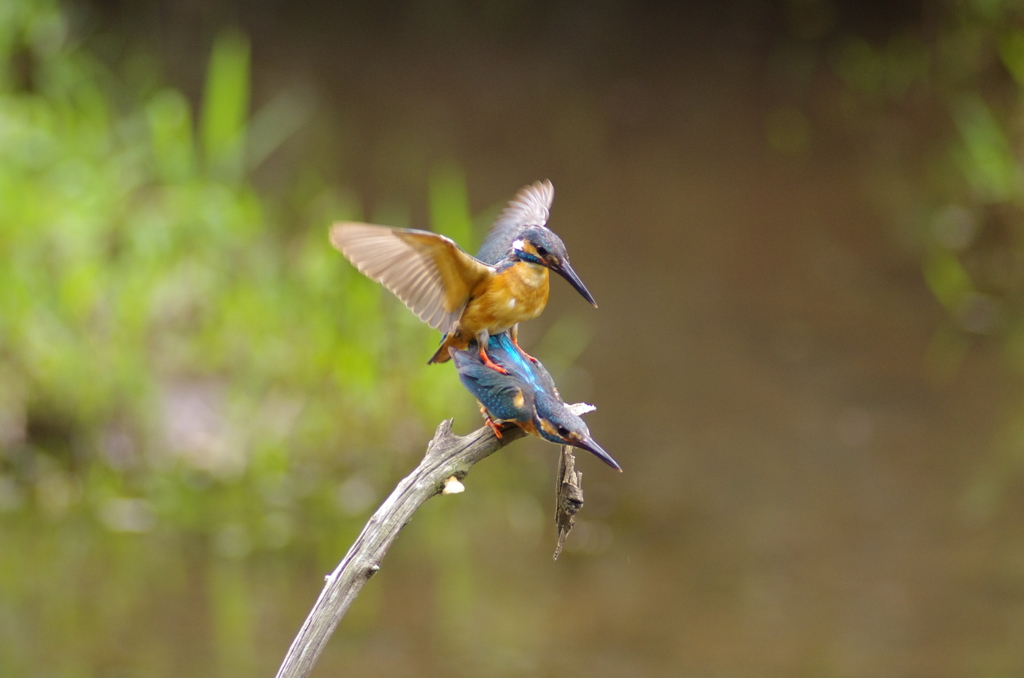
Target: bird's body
point(525, 395)
point(517, 292)
point(467, 298)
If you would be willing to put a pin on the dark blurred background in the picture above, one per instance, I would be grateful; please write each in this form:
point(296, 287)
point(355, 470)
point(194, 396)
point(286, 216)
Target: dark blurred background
point(802, 222)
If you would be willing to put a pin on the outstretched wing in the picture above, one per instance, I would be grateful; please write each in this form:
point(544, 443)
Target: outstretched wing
point(425, 270)
point(530, 207)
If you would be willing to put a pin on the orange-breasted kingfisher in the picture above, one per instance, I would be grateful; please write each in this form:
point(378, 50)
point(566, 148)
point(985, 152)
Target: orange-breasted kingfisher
point(465, 297)
point(525, 394)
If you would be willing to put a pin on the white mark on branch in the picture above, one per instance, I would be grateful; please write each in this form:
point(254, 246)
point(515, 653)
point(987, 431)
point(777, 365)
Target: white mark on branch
point(453, 486)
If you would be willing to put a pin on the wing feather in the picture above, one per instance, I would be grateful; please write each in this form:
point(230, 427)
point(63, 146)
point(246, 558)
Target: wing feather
point(427, 271)
point(530, 207)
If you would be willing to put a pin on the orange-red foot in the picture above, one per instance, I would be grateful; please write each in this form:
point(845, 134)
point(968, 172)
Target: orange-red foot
point(490, 363)
point(522, 351)
point(494, 427)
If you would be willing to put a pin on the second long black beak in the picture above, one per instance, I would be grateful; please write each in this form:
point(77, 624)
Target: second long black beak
point(590, 445)
point(565, 270)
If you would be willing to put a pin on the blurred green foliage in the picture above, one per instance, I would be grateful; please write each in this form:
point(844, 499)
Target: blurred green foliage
point(964, 212)
point(942, 103)
point(191, 379)
point(932, 111)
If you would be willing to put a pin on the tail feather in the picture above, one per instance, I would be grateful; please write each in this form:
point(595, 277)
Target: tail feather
point(441, 356)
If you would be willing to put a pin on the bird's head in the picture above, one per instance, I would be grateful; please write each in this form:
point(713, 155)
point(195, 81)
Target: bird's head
point(539, 245)
point(555, 423)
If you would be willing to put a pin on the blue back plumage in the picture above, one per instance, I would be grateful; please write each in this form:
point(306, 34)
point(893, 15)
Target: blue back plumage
point(506, 396)
point(519, 366)
point(498, 392)
point(526, 395)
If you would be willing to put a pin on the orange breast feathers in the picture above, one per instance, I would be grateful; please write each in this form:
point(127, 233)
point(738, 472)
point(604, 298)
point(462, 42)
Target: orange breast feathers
point(518, 293)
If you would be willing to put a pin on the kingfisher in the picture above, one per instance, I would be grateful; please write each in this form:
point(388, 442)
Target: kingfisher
point(524, 394)
point(468, 298)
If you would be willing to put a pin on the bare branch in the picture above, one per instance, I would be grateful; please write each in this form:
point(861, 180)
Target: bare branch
point(448, 459)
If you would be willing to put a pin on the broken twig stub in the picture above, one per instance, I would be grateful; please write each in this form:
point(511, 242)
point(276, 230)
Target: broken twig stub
point(568, 496)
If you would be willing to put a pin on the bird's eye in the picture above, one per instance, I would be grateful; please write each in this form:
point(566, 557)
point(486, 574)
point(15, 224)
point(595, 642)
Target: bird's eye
point(542, 251)
point(563, 431)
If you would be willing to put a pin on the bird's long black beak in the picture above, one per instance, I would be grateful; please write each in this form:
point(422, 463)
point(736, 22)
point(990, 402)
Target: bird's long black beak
point(565, 270)
point(590, 445)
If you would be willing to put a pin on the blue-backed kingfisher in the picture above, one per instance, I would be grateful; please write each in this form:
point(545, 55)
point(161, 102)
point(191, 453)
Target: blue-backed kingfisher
point(525, 394)
point(465, 297)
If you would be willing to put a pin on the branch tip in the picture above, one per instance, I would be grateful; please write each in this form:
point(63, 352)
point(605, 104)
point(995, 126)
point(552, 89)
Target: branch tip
point(580, 409)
